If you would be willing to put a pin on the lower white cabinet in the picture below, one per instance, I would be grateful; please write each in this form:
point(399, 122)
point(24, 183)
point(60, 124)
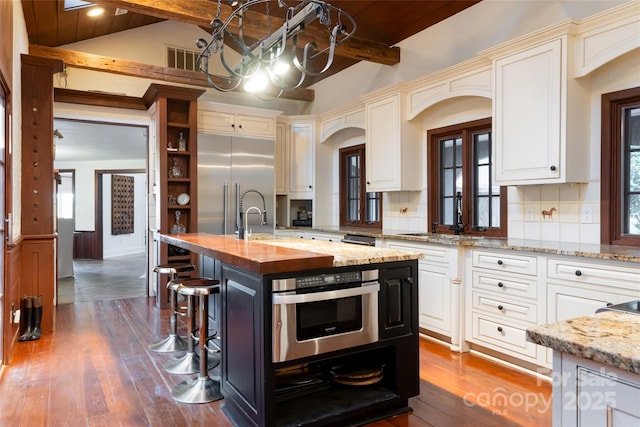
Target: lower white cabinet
point(502, 301)
point(588, 394)
point(439, 293)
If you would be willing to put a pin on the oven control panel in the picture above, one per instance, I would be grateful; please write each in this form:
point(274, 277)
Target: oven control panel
point(328, 279)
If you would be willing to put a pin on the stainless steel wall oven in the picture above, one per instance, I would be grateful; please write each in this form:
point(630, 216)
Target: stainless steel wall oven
point(325, 312)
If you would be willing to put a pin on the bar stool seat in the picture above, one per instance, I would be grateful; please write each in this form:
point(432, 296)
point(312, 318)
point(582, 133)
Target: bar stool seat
point(173, 342)
point(203, 388)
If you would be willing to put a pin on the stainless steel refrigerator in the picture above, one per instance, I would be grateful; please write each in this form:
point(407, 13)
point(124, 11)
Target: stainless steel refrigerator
point(235, 172)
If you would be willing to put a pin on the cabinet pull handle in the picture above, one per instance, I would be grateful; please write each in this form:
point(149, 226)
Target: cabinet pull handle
point(501, 308)
point(578, 273)
point(499, 262)
point(499, 328)
point(553, 168)
point(500, 284)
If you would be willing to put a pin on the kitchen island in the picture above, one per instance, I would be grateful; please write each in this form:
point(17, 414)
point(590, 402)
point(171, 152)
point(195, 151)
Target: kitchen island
point(596, 368)
point(339, 348)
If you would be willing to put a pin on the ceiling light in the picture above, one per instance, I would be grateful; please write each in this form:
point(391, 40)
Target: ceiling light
point(268, 52)
point(96, 11)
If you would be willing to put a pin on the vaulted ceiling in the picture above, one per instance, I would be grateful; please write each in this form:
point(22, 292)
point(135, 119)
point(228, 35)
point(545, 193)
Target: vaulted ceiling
point(380, 26)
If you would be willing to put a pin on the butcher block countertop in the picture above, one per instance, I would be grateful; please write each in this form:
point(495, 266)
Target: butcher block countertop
point(269, 255)
point(611, 338)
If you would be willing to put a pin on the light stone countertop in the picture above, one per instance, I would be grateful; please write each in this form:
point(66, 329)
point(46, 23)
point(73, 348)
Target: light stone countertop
point(611, 338)
point(594, 251)
point(345, 254)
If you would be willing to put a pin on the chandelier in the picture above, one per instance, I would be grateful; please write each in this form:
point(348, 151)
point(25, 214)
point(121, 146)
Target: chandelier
point(271, 62)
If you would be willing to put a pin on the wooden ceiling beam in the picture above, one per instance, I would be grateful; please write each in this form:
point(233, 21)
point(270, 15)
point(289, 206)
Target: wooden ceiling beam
point(107, 64)
point(201, 13)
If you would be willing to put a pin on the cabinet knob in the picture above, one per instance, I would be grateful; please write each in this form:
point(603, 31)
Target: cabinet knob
point(409, 280)
point(499, 328)
point(609, 304)
point(240, 126)
point(368, 182)
point(309, 187)
point(500, 308)
point(232, 125)
point(578, 273)
point(500, 262)
point(500, 284)
point(553, 168)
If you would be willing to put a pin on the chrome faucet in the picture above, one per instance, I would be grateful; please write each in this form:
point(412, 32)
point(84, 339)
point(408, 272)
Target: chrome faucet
point(459, 225)
point(247, 231)
point(242, 228)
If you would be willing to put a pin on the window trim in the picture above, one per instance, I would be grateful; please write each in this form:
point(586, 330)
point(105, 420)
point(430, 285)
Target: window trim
point(343, 196)
point(433, 210)
point(611, 167)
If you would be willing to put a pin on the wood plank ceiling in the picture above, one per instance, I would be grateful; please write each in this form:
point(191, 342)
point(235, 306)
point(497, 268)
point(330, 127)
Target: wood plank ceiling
point(380, 24)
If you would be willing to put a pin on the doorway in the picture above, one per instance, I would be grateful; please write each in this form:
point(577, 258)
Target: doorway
point(105, 264)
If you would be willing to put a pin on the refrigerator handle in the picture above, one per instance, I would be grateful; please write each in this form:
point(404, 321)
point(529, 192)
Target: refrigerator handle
point(225, 192)
point(238, 213)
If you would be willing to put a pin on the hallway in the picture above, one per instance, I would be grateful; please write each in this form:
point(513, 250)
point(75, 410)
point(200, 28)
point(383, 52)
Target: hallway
point(112, 278)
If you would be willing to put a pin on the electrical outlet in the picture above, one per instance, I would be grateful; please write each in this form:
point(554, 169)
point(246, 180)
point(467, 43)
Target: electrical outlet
point(530, 214)
point(16, 316)
point(586, 215)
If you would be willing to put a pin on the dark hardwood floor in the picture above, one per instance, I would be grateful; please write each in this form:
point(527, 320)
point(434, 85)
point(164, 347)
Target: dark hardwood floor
point(95, 370)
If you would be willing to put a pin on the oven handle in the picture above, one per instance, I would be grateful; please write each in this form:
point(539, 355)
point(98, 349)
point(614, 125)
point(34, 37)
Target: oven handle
point(323, 296)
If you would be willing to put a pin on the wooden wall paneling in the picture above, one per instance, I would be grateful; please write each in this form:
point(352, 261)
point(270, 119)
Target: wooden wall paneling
point(38, 249)
point(38, 273)
point(84, 244)
point(11, 300)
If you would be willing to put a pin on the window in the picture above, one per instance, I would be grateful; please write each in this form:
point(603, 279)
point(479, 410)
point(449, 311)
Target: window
point(182, 59)
point(620, 168)
point(461, 190)
point(357, 207)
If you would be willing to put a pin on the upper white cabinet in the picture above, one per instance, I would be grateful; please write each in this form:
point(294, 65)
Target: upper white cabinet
point(301, 159)
point(222, 119)
point(393, 147)
point(540, 118)
point(281, 167)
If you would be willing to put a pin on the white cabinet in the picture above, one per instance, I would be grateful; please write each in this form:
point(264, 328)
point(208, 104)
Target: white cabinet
point(301, 160)
point(222, 123)
point(502, 301)
point(578, 287)
point(539, 115)
point(280, 161)
point(393, 147)
point(587, 394)
point(438, 289)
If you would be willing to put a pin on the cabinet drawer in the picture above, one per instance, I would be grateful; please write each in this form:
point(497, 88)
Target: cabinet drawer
point(496, 334)
point(502, 284)
point(598, 274)
point(433, 254)
point(508, 309)
point(506, 262)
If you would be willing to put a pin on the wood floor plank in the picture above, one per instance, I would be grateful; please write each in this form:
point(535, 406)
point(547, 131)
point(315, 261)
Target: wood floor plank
point(95, 369)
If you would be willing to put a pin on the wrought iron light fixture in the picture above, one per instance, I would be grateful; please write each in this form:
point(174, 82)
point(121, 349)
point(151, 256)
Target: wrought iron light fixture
point(272, 62)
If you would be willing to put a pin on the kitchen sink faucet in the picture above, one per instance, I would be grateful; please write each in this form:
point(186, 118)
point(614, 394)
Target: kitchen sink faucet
point(241, 228)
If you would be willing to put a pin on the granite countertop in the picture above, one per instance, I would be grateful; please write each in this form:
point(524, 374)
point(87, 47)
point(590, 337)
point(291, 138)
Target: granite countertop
point(611, 338)
point(595, 251)
point(266, 254)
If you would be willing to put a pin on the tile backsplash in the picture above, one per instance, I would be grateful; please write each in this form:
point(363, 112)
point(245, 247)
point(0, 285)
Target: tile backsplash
point(574, 212)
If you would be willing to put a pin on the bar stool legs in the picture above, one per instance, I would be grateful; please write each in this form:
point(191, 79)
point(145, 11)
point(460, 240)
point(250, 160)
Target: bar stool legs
point(190, 362)
point(173, 342)
point(203, 388)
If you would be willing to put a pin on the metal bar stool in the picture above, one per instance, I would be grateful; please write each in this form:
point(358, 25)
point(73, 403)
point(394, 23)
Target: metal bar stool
point(203, 388)
point(189, 363)
point(173, 342)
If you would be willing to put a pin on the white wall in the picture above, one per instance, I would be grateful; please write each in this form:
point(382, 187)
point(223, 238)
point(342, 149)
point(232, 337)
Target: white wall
point(125, 244)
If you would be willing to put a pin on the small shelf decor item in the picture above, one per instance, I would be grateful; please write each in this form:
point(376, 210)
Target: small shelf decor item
point(182, 143)
point(183, 199)
point(178, 228)
point(175, 171)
